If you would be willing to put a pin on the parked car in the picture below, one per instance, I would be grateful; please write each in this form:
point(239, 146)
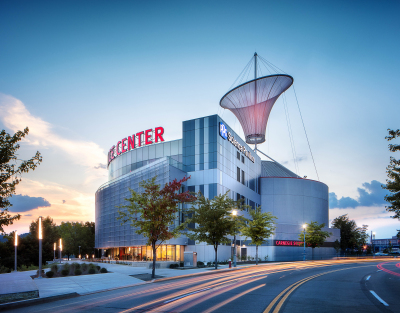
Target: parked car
point(380, 254)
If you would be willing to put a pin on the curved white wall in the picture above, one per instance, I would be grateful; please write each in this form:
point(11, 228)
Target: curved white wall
point(295, 200)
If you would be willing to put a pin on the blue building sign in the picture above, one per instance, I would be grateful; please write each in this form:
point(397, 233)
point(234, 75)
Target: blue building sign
point(223, 131)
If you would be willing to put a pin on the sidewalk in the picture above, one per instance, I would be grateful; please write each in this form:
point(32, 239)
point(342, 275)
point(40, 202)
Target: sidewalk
point(21, 283)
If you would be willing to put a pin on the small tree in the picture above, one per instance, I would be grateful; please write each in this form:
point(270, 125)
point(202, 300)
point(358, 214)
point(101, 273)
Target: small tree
point(259, 228)
point(11, 172)
point(213, 219)
point(75, 234)
point(336, 246)
point(393, 181)
point(351, 236)
point(315, 236)
point(153, 212)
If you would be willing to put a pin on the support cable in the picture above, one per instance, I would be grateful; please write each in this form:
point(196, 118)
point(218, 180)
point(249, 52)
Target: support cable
point(305, 131)
point(296, 166)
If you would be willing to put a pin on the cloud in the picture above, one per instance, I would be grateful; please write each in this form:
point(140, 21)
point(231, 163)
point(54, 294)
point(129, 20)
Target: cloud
point(297, 159)
point(16, 116)
point(28, 215)
point(64, 201)
point(371, 195)
point(101, 165)
point(22, 203)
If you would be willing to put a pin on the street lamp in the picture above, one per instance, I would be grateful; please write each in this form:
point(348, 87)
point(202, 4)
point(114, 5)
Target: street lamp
point(234, 213)
point(79, 251)
point(60, 249)
point(15, 244)
point(304, 243)
point(55, 247)
point(372, 243)
point(40, 246)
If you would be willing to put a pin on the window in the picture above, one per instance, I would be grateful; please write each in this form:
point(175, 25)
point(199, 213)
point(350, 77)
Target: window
point(238, 155)
point(242, 159)
point(243, 180)
point(238, 174)
point(238, 197)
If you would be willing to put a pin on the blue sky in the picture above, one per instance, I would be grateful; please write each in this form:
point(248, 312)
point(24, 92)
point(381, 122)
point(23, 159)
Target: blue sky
point(82, 75)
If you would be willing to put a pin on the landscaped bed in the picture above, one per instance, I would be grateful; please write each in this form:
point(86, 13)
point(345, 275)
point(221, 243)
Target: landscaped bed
point(73, 269)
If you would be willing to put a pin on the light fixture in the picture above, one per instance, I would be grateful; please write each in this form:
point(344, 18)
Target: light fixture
point(16, 238)
point(40, 228)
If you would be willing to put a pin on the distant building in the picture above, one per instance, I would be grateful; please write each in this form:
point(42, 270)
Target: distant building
point(382, 244)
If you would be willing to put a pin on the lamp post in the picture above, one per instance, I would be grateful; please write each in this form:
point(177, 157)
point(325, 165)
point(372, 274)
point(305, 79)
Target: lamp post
point(55, 247)
point(40, 246)
point(60, 249)
point(304, 243)
point(15, 244)
point(372, 243)
point(79, 251)
point(234, 213)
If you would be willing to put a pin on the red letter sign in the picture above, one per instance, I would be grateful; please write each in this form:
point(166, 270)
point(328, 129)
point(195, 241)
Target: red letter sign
point(159, 132)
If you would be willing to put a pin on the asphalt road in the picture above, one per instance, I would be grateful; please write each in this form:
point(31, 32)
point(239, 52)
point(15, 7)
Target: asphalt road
point(329, 286)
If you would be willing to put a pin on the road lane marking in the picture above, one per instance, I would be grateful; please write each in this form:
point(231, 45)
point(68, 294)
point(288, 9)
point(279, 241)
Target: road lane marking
point(231, 299)
point(379, 298)
point(286, 293)
point(379, 271)
point(368, 277)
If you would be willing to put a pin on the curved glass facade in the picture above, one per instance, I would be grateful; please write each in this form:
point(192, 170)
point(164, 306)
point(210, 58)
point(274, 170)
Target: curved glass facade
point(142, 156)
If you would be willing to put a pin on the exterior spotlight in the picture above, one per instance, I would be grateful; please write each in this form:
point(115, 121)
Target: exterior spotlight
point(55, 248)
point(304, 226)
point(15, 245)
point(234, 212)
point(60, 248)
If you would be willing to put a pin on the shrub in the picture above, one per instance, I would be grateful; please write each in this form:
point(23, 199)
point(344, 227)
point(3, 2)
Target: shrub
point(78, 271)
point(181, 264)
point(98, 267)
point(84, 267)
point(54, 268)
point(64, 272)
point(66, 266)
point(4, 269)
point(77, 265)
point(200, 264)
point(50, 274)
point(92, 271)
point(103, 270)
point(175, 265)
point(209, 264)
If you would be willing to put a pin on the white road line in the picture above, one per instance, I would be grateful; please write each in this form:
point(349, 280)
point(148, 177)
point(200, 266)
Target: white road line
point(379, 298)
point(368, 277)
point(379, 271)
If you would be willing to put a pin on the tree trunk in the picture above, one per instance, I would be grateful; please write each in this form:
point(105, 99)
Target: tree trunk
point(256, 255)
point(153, 271)
point(216, 256)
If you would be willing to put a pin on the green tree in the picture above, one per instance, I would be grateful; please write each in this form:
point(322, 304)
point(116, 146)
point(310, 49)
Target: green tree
point(75, 234)
point(351, 236)
point(259, 228)
point(315, 236)
point(336, 246)
point(11, 170)
point(153, 212)
point(213, 219)
point(393, 173)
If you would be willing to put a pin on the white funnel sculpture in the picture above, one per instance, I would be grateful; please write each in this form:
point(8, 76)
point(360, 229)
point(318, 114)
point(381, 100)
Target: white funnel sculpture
point(252, 102)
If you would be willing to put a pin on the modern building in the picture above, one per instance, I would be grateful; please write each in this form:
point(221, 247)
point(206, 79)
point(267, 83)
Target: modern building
point(218, 161)
point(385, 244)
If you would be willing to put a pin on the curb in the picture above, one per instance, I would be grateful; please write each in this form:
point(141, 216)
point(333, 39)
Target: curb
point(28, 302)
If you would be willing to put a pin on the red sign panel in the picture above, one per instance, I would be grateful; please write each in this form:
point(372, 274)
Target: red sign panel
point(143, 138)
point(289, 243)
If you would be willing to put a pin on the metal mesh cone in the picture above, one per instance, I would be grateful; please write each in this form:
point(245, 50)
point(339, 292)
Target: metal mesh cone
point(252, 102)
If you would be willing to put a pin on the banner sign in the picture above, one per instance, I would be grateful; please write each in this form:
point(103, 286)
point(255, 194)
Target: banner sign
point(143, 138)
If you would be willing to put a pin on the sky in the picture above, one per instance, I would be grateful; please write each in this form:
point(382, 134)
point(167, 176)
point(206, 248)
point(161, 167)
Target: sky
point(84, 74)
